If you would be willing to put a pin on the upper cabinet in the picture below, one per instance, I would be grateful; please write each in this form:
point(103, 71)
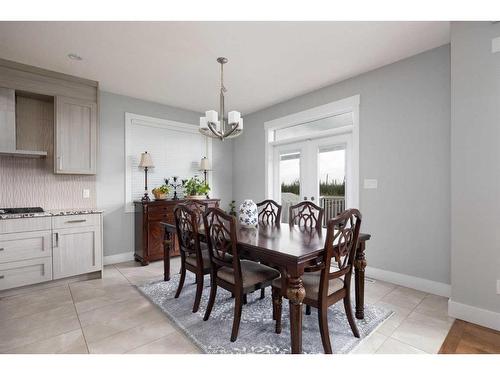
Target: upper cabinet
point(75, 138)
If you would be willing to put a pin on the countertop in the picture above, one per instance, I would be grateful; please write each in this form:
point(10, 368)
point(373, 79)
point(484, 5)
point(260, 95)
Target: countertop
point(61, 212)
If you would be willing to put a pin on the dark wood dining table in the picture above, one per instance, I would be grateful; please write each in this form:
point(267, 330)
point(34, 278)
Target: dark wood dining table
point(290, 249)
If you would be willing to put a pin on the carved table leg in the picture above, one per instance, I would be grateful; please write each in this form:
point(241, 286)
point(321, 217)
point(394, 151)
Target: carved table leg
point(359, 280)
point(295, 294)
point(167, 242)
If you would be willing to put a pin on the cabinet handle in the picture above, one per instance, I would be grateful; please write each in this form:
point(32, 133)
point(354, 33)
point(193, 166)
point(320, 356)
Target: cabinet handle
point(76, 221)
point(59, 163)
point(56, 239)
point(2, 277)
point(2, 249)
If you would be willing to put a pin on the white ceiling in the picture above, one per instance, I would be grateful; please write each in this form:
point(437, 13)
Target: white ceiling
point(174, 62)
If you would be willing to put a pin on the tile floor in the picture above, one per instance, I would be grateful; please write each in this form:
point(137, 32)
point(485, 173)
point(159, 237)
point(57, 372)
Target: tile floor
point(110, 316)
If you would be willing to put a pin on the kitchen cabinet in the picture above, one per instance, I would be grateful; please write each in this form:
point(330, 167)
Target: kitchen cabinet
point(75, 136)
point(76, 250)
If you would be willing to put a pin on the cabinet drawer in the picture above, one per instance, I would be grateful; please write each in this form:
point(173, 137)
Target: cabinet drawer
point(25, 272)
point(24, 225)
point(75, 221)
point(165, 213)
point(25, 245)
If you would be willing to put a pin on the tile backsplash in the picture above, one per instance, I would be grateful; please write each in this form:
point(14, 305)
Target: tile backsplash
point(31, 182)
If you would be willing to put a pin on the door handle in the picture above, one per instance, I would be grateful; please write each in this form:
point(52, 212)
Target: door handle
point(312, 198)
point(56, 240)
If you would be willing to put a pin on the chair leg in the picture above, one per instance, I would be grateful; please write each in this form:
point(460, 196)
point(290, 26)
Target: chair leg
point(350, 318)
point(274, 295)
point(308, 310)
point(237, 316)
point(262, 293)
point(211, 300)
point(278, 312)
point(245, 301)
point(199, 290)
point(181, 280)
point(323, 329)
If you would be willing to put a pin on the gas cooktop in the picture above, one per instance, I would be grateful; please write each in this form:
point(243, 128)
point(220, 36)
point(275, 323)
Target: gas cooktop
point(21, 210)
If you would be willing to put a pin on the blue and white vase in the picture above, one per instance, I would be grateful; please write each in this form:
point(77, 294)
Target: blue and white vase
point(248, 214)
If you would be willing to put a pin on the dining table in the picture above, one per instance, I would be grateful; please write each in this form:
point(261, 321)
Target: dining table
point(291, 249)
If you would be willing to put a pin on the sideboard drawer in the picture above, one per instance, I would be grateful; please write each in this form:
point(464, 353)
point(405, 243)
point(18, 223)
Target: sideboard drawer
point(24, 224)
point(75, 221)
point(25, 272)
point(25, 245)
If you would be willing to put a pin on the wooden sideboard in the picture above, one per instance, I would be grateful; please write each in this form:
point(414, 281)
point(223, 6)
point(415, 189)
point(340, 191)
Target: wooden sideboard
point(148, 231)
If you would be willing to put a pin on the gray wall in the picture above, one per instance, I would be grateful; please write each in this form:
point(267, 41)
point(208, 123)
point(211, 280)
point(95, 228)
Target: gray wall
point(475, 173)
point(404, 143)
point(118, 225)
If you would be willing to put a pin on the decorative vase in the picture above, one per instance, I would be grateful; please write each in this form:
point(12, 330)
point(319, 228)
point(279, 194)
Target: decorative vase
point(248, 214)
point(195, 197)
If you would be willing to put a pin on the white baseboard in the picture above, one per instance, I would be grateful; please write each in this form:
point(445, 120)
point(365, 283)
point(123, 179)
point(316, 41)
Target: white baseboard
point(118, 258)
point(424, 285)
point(486, 318)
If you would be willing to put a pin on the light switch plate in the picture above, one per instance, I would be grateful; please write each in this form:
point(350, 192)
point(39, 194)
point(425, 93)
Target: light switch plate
point(86, 193)
point(370, 183)
point(495, 45)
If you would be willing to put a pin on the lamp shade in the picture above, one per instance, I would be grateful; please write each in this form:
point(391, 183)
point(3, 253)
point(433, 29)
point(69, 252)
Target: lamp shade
point(204, 164)
point(146, 160)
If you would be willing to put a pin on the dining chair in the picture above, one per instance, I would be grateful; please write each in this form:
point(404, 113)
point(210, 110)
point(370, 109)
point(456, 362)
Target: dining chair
point(194, 255)
point(198, 207)
point(269, 212)
point(306, 215)
point(229, 272)
point(325, 285)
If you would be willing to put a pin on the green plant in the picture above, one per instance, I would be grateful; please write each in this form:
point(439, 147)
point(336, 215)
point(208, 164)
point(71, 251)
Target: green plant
point(194, 186)
point(163, 189)
point(326, 188)
point(232, 208)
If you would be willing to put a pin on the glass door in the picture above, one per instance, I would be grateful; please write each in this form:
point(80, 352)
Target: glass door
point(314, 170)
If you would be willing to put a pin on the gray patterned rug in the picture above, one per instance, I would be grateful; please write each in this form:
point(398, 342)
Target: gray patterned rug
point(256, 333)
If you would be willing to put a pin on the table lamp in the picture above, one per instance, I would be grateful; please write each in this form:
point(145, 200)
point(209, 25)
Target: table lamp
point(146, 163)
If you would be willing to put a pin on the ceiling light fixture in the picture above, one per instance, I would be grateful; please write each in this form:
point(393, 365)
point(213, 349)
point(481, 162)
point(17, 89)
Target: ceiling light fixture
point(214, 124)
point(74, 56)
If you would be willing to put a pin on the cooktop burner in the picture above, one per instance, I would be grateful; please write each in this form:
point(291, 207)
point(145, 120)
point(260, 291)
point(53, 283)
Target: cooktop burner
point(21, 210)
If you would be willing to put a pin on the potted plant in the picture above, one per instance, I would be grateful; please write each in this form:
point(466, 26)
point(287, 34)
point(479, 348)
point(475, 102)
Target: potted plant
point(161, 192)
point(195, 188)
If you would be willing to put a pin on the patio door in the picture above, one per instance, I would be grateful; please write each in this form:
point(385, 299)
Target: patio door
point(314, 170)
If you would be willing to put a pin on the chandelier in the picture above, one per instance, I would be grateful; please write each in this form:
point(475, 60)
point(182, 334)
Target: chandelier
point(216, 125)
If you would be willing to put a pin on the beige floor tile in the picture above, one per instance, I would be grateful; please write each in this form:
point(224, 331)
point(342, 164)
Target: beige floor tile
point(90, 298)
point(434, 306)
point(404, 297)
point(370, 344)
point(66, 343)
point(389, 326)
point(392, 346)
point(37, 327)
point(376, 290)
point(422, 332)
point(103, 322)
point(132, 338)
point(173, 343)
point(35, 302)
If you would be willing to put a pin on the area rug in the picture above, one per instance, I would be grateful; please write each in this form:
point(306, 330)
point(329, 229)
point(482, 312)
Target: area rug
point(256, 334)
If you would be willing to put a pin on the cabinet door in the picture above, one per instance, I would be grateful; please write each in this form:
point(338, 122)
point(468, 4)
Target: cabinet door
point(75, 136)
point(76, 251)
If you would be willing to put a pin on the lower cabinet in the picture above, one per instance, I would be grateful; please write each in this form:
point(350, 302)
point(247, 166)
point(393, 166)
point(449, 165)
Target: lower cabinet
point(25, 272)
point(76, 251)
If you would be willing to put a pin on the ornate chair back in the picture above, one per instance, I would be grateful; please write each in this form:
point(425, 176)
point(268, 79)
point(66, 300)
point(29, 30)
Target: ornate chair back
point(199, 208)
point(187, 226)
point(306, 215)
point(340, 248)
point(269, 212)
point(220, 232)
